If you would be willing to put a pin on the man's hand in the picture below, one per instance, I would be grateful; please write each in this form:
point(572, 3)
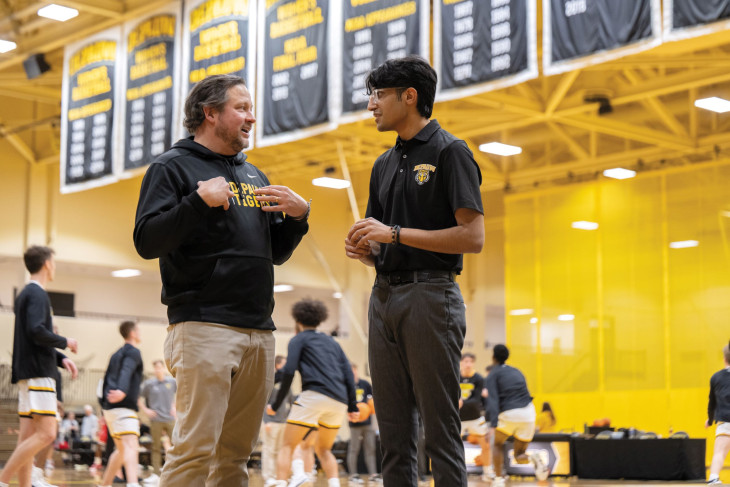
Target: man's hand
point(461, 403)
point(72, 344)
point(215, 192)
point(367, 230)
point(354, 417)
point(69, 365)
point(355, 252)
point(286, 200)
point(115, 396)
point(151, 413)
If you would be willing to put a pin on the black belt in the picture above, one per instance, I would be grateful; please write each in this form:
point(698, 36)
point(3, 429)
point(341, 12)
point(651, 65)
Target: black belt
point(405, 277)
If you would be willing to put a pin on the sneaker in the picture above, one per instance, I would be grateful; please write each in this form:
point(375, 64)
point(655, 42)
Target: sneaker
point(151, 481)
point(375, 478)
point(271, 483)
point(714, 481)
point(36, 478)
point(300, 480)
point(355, 480)
point(488, 473)
point(541, 471)
point(498, 482)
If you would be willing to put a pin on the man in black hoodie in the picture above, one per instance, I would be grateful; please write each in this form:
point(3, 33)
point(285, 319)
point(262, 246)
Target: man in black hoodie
point(217, 226)
point(35, 359)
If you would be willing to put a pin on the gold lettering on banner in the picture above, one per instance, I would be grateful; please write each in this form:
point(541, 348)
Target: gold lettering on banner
point(149, 88)
point(149, 61)
point(90, 109)
point(295, 16)
point(296, 53)
point(91, 83)
point(93, 53)
point(232, 66)
point(218, 40)
point(216, 9)
point(357, 3)
point(381, 16)
point(161, 26)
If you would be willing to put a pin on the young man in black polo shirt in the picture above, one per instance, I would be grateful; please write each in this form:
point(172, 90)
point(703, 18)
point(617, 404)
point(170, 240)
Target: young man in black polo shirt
point(35, 359)
point(718, 410)
point(424, 212)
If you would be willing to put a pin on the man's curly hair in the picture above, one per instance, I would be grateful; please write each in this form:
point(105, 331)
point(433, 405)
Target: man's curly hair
point(309, 312)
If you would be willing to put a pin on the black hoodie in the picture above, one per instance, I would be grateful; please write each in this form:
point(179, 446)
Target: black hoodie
point(216, 265)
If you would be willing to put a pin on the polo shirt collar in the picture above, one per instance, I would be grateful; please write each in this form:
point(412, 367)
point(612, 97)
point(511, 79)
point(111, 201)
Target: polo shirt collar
point(422, 136)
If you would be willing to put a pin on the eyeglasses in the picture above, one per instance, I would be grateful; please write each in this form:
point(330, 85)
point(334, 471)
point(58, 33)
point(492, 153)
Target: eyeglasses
point(377, 95)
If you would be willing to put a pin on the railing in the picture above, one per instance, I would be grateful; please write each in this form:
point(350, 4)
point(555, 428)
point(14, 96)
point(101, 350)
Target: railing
point(75, 392)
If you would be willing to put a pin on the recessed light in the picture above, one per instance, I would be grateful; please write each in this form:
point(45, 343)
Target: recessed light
point(282, 288)
point(566, 317)
point(714, 104)
point(533, 320)
point(334, 183)
point(619, 173)
point(500, 149)
point(126, 273)
point(584, 225)
point(683, 244)
point(337, 295)
point(6, 46)
point(58, 12)
point(521, 312)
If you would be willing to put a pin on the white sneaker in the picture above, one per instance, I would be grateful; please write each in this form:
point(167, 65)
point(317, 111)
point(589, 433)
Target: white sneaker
point(714, 482)
point(541, 471)
point(300, 480)
point(498, 482)
point(488, 473)
point(37, 480)
point(151, 481)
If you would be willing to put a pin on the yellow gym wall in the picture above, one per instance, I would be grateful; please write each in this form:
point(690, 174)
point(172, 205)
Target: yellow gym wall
point(649, 321)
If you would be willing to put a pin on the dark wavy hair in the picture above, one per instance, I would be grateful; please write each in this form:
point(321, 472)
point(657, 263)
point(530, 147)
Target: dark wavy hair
point(309, 312)
point(407, 72)
point(210, 92)
point(35, 257)
point(126, 327)
point(501, 353)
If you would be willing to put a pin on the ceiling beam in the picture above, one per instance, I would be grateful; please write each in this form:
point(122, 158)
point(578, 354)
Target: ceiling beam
point(657, 106)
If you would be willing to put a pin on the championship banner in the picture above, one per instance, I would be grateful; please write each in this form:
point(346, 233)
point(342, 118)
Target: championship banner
point(151, 70)
point(579, 33)
point(691, 18)
point(373, 32)
point(218, 38)
point(293, 72)
point(90, 111)
point(481, 46)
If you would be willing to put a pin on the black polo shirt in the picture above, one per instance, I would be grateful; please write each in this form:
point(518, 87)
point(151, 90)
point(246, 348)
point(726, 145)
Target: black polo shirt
point(420, 183)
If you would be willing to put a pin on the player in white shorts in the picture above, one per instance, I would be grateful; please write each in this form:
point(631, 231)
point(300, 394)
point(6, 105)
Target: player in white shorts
point(328, 392)
point(512, 414)
point(718, 409)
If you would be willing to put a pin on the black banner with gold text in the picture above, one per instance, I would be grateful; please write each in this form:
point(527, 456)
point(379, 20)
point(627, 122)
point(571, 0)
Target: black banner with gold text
point(692, 13)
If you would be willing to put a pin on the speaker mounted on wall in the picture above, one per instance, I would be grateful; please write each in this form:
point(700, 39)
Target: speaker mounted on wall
point(36, 65)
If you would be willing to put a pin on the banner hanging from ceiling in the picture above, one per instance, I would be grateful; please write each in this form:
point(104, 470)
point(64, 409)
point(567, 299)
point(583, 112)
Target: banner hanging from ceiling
point(90, 107)
point(373, 32)
point(293, 98)
point(481, 46)
point(579, 33)
point(691, 18)
point(218, 38)
point(152, 71)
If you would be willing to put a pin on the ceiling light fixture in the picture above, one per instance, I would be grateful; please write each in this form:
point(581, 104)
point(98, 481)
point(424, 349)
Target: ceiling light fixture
point(334, 183)
point(500, 149)
point(566, 317)
point(6, 46)
point(126, 273)
point(521, 312)
point(58, 12)
point(714, 104)
point(584, 225)
point(282, 288)
point(683, 244)
point(619, 173)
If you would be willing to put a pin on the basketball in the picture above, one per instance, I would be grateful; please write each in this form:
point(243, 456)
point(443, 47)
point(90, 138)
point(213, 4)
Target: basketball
point(371, 405)
point(364, 411)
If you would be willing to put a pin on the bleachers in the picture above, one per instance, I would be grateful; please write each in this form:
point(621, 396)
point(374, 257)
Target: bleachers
point(9, 425)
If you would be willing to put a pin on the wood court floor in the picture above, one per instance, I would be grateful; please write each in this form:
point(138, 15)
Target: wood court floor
point(67, 477)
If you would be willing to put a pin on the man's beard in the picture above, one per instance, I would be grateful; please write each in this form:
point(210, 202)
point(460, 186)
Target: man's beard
point(235, 142)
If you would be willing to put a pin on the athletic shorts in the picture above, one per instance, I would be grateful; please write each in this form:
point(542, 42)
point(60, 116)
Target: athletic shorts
point(519, 423)
point(312, 410)
point(478, 427)
point(723, 429)
point(121, 421)
point(37, 396)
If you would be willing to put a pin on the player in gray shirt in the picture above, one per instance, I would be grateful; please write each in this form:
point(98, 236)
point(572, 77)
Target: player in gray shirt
point(157, 400)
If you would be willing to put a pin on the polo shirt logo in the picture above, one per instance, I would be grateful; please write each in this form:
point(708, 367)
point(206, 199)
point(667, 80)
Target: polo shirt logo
point(423, 173)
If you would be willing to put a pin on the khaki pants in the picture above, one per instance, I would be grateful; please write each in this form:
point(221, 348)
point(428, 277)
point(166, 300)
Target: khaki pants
point(224, 377)
point(156, 429)
point(271, 436)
